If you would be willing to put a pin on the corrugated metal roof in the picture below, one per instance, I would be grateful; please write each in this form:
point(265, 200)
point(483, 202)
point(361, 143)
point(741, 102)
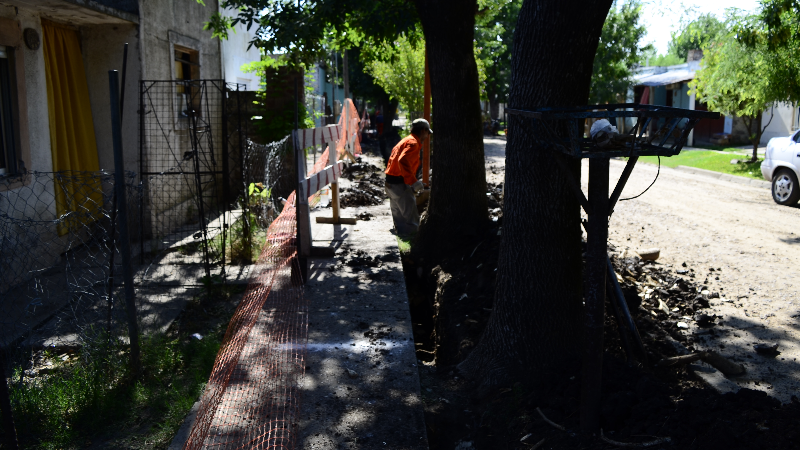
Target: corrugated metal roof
point(663, 79)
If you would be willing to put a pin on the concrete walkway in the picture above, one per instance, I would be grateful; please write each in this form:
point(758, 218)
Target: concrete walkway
point(361, 388)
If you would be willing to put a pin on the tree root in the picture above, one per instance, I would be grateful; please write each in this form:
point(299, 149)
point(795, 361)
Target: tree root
point(658, 441)
point(714, 359)
point(549, 421)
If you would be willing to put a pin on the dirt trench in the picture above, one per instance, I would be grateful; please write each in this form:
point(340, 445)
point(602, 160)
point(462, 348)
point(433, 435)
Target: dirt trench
point(451, 304)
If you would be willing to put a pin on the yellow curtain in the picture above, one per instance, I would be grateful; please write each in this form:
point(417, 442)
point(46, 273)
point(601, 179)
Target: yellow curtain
point(72, 139)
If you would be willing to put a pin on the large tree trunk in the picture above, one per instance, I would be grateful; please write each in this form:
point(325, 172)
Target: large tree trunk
point(458, 189)
point(535, 329)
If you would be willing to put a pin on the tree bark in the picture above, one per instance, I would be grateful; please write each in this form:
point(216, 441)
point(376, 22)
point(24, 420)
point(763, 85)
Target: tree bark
point(494, 106)
point(757, 138)
point(535, 328)
point(458, 189)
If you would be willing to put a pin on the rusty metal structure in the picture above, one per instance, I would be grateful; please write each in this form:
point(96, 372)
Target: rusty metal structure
point(655, 131)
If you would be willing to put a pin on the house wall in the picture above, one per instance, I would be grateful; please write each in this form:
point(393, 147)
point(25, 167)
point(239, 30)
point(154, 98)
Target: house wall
point(102, 47)
point(235, 54)
point(659, 96)
point(319, 87)
point(782, 124)
point(680, 97)
point(163, 24)
point(38, 122)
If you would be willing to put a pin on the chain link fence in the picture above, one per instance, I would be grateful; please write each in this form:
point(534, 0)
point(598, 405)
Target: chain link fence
point(61, 277)
point(57, 260)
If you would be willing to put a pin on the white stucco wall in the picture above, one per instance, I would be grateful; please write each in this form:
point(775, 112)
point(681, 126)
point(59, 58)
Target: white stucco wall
point(158, 20)
point(102, 48)
point(781, 124)
point(235, 54)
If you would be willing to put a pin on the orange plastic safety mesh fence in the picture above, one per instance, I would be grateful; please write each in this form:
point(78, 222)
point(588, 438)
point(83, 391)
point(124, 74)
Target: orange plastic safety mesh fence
point(251, 400)
point(350, 128)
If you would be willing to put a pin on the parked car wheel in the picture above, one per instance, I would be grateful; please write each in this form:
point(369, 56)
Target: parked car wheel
point(784, 187)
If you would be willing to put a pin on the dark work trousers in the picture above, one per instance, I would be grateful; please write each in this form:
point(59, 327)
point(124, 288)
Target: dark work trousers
point(403, 204)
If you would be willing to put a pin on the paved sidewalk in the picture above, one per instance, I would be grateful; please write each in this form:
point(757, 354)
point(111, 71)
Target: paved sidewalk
point(361, 388)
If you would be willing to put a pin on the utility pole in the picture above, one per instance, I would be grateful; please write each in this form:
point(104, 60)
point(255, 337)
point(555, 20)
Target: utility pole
point(335, 83)
point(346, 76)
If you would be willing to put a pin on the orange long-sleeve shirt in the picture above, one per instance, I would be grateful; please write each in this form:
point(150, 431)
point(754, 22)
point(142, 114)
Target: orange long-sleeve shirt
point(404, 161)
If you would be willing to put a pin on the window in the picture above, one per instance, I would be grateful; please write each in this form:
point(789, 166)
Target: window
point(187, 68)
point(8, 133)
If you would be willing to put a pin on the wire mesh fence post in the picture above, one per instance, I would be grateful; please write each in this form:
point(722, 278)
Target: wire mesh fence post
point(595, 292)
point(122, 217)
point(5, 405)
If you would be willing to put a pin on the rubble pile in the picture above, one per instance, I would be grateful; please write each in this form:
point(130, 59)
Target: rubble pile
point(494, 200)
point(359, 170)
point(363, 193)
point(368, 189)
point(663, 301)
point(358, 259)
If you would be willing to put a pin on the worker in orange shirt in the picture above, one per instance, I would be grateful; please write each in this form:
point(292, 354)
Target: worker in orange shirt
point(401, 178)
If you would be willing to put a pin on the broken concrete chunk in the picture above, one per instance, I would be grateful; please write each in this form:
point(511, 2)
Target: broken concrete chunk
point(705, 320)
point(767, 349)
point(649, 254)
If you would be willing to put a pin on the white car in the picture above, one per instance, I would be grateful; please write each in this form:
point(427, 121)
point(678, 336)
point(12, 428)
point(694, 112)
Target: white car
point(781, 166)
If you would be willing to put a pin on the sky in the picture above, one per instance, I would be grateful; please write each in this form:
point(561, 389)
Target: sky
point(662, 17)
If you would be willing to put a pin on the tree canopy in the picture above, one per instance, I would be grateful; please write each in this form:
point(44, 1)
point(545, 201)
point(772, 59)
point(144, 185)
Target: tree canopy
point(402, 75)
point(692, 34)
point(494, 37)
point(776, 31)
point(305, 31)
point(737, 79)
point(617, 53)
point(695, 35)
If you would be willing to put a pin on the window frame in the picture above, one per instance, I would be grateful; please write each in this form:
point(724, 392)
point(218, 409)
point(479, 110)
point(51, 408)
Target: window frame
point(9, 131)
point(11, 38)
point(179, 42)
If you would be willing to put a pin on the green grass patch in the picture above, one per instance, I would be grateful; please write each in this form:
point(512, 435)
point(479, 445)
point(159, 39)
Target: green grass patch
point(711, 160)
point(90, 396)
point(239, 247)
point(404, 244)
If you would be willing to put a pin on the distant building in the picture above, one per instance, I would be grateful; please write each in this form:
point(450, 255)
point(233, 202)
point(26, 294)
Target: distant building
point(668, 86)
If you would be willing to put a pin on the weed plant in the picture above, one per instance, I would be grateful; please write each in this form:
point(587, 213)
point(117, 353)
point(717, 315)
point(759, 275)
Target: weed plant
point(93, 395)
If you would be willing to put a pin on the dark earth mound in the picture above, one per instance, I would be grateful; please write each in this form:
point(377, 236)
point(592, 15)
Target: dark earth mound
point(452, 302)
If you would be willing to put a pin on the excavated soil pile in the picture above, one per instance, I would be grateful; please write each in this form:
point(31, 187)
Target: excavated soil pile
point(370, 266)
point(368, 189)
point(641, 401)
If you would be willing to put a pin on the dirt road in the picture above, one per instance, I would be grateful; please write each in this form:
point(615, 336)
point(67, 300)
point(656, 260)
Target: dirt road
point(751, 244)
